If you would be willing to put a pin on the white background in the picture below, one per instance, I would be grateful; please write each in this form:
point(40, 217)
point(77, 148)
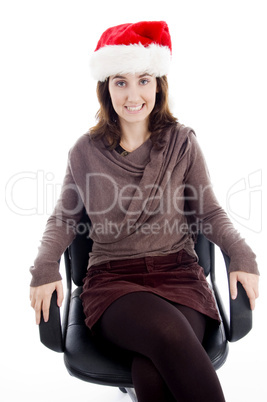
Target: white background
point(218, 87)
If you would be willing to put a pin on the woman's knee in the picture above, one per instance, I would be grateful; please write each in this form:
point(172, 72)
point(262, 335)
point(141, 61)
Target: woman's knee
point(176, 333)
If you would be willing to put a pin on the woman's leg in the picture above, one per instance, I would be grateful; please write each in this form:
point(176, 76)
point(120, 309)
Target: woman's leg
point(151, 326)
point(148, 383)
point(144, 372)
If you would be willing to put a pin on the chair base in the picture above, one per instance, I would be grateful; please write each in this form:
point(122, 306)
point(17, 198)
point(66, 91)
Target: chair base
point(132, 394)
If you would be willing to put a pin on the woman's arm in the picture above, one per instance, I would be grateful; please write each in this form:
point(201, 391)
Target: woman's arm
point(217, 227)
point(59, 232)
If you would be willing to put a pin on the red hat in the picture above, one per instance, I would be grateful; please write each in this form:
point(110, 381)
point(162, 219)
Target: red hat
point(143, 47)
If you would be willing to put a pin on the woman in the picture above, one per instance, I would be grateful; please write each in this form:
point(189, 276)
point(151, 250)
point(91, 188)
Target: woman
point(143, 180)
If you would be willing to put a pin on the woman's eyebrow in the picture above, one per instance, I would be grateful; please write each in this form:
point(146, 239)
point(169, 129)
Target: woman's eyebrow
point(118, 76)
point(121, 77)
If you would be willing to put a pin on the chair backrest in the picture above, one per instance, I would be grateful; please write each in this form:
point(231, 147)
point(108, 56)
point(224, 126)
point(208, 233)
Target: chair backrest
point(82, 245)
point(205, 251)
point(79, 251)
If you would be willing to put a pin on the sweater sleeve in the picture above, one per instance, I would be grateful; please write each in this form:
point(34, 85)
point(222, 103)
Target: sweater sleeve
point(211, 218)
point(59, 232)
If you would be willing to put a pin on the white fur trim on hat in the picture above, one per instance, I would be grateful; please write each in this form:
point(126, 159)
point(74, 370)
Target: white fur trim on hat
point(130, 59)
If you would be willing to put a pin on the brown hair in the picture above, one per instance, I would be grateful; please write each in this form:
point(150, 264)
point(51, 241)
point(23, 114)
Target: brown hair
point(108, 123)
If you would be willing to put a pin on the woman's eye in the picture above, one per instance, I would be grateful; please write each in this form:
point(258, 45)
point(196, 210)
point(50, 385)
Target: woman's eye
point(144, 81)
point(120, 84)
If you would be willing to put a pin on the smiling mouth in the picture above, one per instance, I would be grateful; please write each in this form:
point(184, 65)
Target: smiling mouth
point(134, 108)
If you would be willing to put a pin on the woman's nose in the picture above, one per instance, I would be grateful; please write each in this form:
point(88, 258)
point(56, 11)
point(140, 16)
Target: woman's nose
point(133, 94)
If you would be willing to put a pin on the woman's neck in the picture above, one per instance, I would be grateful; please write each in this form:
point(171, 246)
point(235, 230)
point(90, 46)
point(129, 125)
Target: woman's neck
point(133, 136)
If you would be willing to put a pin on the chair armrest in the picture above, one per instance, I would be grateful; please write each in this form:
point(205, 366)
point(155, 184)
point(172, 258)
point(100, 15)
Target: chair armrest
point(240, 311)
point(240, 315)
point(51, 331)
point(239, 322)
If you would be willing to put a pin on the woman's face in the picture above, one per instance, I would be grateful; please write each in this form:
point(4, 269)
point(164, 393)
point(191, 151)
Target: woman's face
point(133, 96)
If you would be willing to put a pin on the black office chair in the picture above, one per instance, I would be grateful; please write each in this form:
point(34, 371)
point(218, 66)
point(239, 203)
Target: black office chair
point(90, 359)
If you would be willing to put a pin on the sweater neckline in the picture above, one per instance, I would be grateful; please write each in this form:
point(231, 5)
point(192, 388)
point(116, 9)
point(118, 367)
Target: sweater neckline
point(137, 158)
point(121, 150)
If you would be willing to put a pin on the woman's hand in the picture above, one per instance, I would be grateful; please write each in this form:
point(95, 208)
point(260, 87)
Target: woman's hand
point(40, 297)
point(250, 283)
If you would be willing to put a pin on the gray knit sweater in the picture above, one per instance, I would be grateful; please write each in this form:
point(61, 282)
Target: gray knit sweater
point(147, 203)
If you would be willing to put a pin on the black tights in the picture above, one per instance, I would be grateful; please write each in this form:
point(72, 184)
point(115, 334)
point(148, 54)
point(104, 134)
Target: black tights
point(170, 363)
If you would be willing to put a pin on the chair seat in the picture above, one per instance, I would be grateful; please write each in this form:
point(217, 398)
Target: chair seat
point(92, 360)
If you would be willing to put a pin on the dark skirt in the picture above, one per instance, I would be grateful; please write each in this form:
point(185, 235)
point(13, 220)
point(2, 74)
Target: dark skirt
point(175, 277)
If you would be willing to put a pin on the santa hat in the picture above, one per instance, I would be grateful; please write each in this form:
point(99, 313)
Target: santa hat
point(143, 47)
